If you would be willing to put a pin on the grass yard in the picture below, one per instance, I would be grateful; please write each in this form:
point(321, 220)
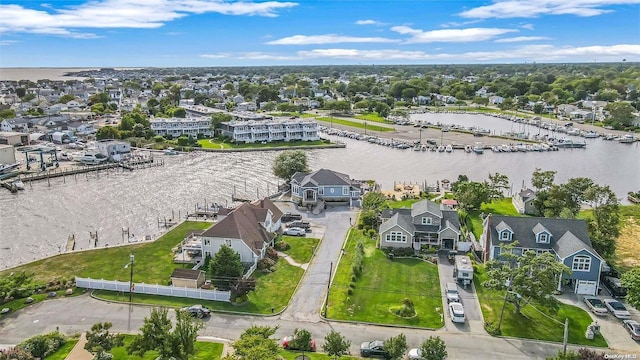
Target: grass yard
point(18, 304)
point(531, 324)
point(301, 249)
point(356, 124)
point(63, 351)
point(497, 207)
point(213, 144)
point(383, 284)
point(397, 204)
point(373, 117)
point(273, 290)
point(217, 144)
point(291, 355)
point(627, 255)
point(153, 260)
point(204, 350)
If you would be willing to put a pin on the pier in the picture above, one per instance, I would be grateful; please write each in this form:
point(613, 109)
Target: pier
point(129, 165)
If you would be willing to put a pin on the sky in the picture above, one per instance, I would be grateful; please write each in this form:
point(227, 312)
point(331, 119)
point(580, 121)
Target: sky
point(174, 33)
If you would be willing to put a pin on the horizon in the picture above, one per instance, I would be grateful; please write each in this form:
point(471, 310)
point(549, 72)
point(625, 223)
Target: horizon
point(229, 33)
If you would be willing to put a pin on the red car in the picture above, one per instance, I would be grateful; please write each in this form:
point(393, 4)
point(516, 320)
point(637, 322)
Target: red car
point(287, 344)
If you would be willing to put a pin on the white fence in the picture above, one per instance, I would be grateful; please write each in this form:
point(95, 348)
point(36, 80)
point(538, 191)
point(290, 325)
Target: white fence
point(123, 286)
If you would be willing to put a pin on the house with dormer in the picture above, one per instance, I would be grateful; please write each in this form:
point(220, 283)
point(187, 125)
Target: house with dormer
point(425, 223)
point(567, 239)
point(324, 184)
point(249, 230)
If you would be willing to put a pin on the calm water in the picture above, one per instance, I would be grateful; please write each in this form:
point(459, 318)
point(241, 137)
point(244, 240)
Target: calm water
point(37, 221)
point(35, 74)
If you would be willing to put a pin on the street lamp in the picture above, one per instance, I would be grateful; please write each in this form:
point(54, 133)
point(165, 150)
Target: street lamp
point(130, 266)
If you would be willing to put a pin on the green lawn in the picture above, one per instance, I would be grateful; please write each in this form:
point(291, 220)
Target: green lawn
point(291, 355)
point(204, 350)
point(18, 304)
point(356, 124)
point(373, 117)
point(531, 324)
point(301, 248)
point(384, 284)
point(217, 144)
point(63, 351)
point(496, 207)
point(213, 144)
point(153, 260)
point(397, 204)
point(273, 290)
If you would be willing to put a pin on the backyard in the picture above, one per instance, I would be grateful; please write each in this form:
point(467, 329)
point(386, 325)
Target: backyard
point(497, 207)
point(301, 248)
point(382, 285)
point(536, 322)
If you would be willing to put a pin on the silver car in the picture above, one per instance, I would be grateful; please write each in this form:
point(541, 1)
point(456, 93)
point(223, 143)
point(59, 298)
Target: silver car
point(617, 309)
point(294, 231)
point(596, 305)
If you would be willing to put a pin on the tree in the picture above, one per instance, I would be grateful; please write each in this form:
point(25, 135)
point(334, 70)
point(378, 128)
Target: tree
point(526, 276)
point(620, 113)
point(11, 285)
point(288, 163)
point(631, 281)
point(336, 345)
point(219, 118)
point(157, 334)
point(225, 267)
point(604, 225)
point(433, 349)
point(497, 184)
point(542, 180)
point(471, 195)
point(301, 339)
point(107, 132)
point(100, 341)
point(396, 346)
point(255, 343)
point(7, 113)
point(41, 346)
point(373, 200)
point(66, 98)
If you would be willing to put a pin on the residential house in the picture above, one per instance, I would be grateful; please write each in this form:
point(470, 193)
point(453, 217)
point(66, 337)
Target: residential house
point(523, 202)
point(115, 150)
point(425, 223)
point(249, 230)
point(567, 239)
point(246, 106)
point(566, 109)
point(323, 185)
point(15, 124)
point(496, 100)
point(581, 116)
point(268, 130)
point(181, 126)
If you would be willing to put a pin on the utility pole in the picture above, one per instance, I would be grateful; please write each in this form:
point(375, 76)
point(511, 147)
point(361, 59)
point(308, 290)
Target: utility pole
point(130, 264)
point(566, 336)
point(326, 302)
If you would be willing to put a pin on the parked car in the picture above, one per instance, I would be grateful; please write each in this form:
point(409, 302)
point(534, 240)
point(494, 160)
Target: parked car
point(198, 311)
point(286, 217)
point(289, 344)
point(596, 305)
point(301, 224)
point(633, 327)
point(451, 290)
point(374, 349)
point(294, 231)
point(456, 311)
point(414, 354)
point(614, 286)
point(617, 309)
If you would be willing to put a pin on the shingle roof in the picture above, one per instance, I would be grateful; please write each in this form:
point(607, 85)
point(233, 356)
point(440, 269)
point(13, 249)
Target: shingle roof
point(188, 274)
point(425, 205)
point(399, 220)
point(321, 177)
point(527, 194)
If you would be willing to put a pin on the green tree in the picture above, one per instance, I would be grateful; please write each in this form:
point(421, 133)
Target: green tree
point(604, 225)
point(101, 341)
point(301, 339)
point(620, 113)
point(497, 184)
point(99, 98)
point(178, 112)
point(631, 281)
point(529, 276)
point(219, 118)
point(288, 163)
point(225, 267)
point(255, 343)
point(538, 108)
point(396, 346)
point(21, 92)
point(373, 200)
point(7, 113)
point(433, 349)
point(41, 346)
point(471, 195)
point(336, 345)
point(66, 98)
point(107, 132)
point(11, 285)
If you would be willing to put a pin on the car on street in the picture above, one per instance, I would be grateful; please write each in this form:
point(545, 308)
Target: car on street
point(289, 344)
point(617, 309)
point(456, 311)
point(633, 327)
point(198, 311)
point(451, 290)
point(414, 354)
point(374, 349)
point(294, 231)
point(596, 305)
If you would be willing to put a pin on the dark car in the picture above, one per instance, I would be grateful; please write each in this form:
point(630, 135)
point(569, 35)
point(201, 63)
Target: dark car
point(286, 217)
point(301, 224)
point(614, 286)
point(289, 344)
point(198, 311)
point(374, 349)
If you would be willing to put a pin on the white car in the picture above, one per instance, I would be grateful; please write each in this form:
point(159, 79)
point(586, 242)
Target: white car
point(596, 305)
point(617, 309)
point(456, 311)
point(294, 231)
point(414, 354)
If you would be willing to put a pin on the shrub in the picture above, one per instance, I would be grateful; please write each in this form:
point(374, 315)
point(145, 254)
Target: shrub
point(41, 346)
point(266, 263)
point(349, 291)
point(272, 253)
point(372, 233)
point(15, 354)
point(352, 285)
point(491, 328)
point(282, 246)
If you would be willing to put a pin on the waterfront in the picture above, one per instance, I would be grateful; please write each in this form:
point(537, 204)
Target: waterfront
point(36, 222)
point(35, 74)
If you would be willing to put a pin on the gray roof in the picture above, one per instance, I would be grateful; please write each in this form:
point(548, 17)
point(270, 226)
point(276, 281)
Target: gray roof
point(322, 177)
point(527, 194)
point(451, 217)
point(567, 235)
point(402, 221)
point(539, 228)
point(426, 205)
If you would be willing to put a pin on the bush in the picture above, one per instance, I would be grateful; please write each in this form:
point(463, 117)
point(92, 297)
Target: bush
point(491, 328)
point(372, 233)
point(282, 246)
point(266, 263)
point(158, 139)
point(15, 354)
point(273, 254)
point(41, 346)
point(349, 291)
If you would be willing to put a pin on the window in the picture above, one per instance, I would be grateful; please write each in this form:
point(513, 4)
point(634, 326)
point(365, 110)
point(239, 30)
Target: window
point(207, 242)
point(320, 191)
point(505, 235)
point(543, 238)
point(426, 221)
point(581, 263)
point(228, 242)
point(345, 190)
point(396, 236)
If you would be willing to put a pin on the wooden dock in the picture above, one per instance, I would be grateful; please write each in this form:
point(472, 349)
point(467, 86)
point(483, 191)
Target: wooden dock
point(128, 165)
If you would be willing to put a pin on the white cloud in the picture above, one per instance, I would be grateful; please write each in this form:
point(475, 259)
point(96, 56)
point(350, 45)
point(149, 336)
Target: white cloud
point(535, 8)
point(458, 24)
point(327, 39)
point(8, 42)
point(527, 26)
point(142, 14)
point(216, 56)
point(368, 22)
point(450, 35)
point(521, 39)
point(264, 56)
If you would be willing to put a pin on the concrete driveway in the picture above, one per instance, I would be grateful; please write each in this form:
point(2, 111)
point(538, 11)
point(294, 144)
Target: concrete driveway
point(468, 297)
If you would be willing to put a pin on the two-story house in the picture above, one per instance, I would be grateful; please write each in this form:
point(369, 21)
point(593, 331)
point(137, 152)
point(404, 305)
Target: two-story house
point(324, 184)
point(567, 239)
point(425, 223)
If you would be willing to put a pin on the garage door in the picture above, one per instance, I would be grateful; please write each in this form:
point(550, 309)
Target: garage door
point(584, 287)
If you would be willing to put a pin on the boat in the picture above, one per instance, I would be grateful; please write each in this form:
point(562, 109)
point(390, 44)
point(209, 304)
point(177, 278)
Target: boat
point(5, 168)
point(633, 197)
point(416, 147)
point(590, 135)
point(441, 148)
point(478, 148)
point(170, 151)
point(468, 148)
point(448, 148)
point(569, 144)
point(18, 184)
point(627, 139)
point(91, 158)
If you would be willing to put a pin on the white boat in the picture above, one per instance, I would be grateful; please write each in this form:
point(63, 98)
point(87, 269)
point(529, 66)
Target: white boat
point(91, 158)
point(478, 148)
point(590, 135)
point(627, 139)
point(18, 184)
point(448, 148)
point(170, 151)
point(441, 148)
point(5, 168)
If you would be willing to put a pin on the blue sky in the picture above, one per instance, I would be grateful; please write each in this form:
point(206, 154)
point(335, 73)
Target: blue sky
point(130, 33)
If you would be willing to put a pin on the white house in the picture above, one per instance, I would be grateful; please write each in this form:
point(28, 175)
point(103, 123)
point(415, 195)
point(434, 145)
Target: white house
point(115, 150)
point(181, 126)
point(279, 129)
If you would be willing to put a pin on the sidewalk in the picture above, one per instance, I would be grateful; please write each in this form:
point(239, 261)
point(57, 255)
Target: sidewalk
point(291, 261)
point(78, 352)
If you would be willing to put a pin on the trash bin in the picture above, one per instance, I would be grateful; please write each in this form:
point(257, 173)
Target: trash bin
point(589, 334)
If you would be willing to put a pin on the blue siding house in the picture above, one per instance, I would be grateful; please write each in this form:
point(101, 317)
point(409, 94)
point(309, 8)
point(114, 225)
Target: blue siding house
point(323, 184)
point(567, 239)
